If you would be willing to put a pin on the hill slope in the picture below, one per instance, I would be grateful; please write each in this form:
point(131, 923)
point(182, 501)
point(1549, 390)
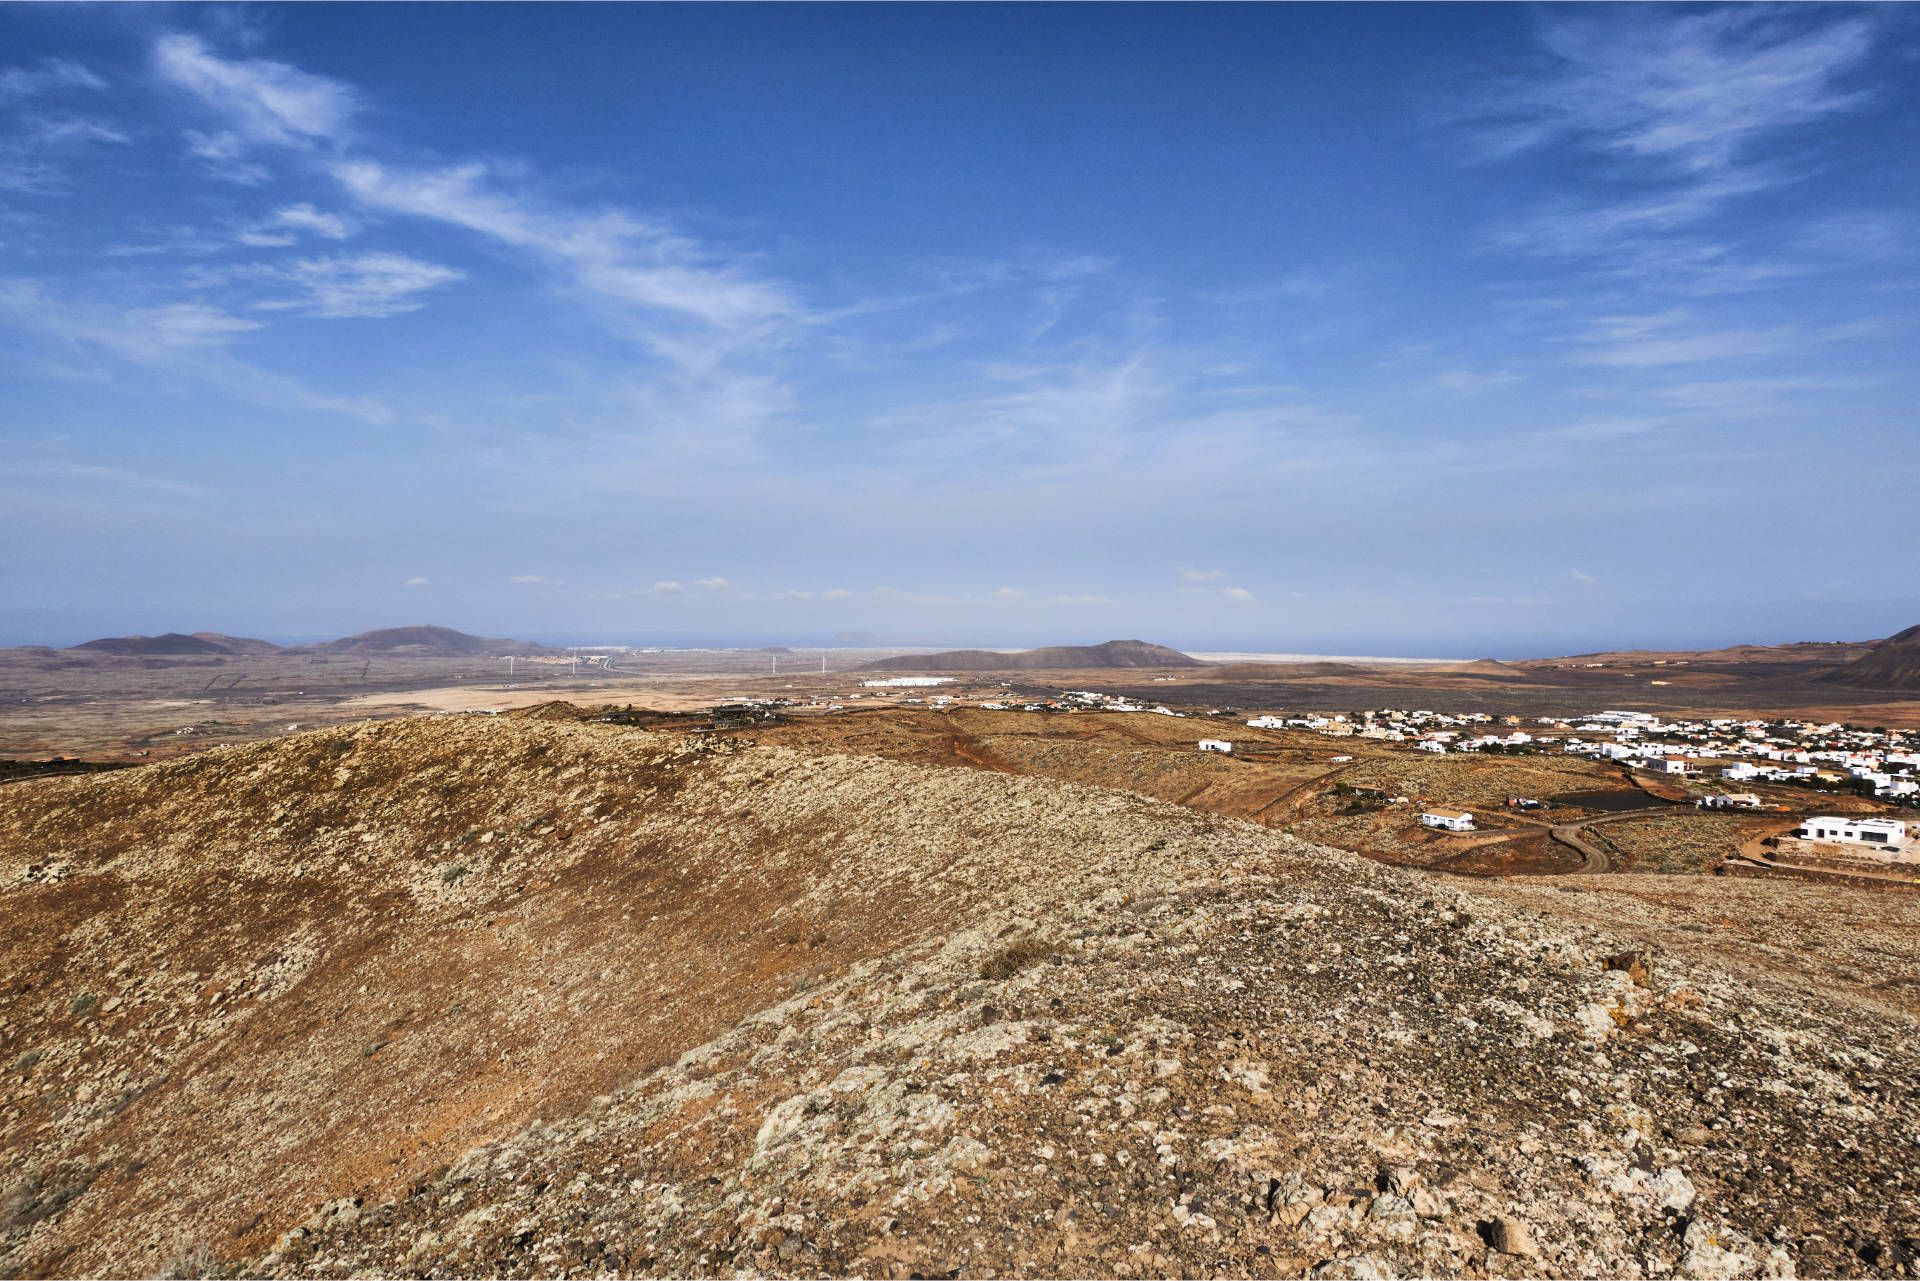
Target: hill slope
point(1892, 664)
point(167, 644)
point(1113, 653)
point(238, 644)
point(427, 642)
point(460, 996)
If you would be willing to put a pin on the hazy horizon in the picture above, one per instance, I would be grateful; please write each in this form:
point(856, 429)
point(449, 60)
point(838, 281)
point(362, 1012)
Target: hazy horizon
point(1418, 330)
point(866, 640)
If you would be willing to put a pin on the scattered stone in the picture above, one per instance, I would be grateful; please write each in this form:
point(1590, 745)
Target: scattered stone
point(1637, 965)
point(1509, 1235)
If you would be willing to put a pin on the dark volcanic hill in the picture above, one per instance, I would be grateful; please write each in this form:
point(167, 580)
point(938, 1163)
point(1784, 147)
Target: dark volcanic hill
point(238, 644)
point(426, 642)
point(1114, 653)
point(169, 643)
point(1892, 664)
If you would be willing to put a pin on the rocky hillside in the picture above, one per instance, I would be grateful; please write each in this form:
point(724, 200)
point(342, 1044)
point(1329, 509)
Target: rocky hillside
point(1892, 664)
point(1113, 653)
point(464, 996)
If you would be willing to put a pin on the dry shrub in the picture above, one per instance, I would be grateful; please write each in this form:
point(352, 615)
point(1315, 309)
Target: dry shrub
point(190, 1262)
point(1016, 956)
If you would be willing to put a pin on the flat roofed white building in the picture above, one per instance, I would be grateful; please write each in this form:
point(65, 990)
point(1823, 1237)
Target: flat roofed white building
point(1215, 745)
point(1855, 831)
point(1447, 820)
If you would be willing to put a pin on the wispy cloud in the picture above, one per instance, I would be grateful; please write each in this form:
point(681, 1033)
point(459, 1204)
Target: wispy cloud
point(530, 580)
point(1693, 91)
point(1652, 342)
point(287, 225)
point(1201, 575)
point(667, 587)
point(1008, 595)
point(365, 285)
point(1237, 594)
point(262, 101)
point(224, 156)
point(51, 75)
point(416, 582)
point(611, 252)
point(1600, 429)
point(1747, 397)
point(41, 139)
point(1082, 599)
point(1465, 382)
point(715, 584)
point(71, 131)
point(92, 475)
point(1690, 111)
point(188, 339)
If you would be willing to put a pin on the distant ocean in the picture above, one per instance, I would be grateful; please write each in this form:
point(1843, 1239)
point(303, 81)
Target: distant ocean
point(1313, 658)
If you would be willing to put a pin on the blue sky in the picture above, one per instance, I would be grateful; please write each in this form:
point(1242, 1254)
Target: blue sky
point(1410, 329)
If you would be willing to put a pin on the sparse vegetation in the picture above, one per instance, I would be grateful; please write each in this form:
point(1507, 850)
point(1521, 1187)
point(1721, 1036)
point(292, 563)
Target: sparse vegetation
point(1016, 956)
point(191, 1262)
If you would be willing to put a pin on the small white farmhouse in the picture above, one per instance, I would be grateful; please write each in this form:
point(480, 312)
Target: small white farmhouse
point(1448, 820)
point(1215, 745)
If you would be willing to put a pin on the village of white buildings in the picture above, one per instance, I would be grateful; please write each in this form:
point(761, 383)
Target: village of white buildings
point(1822, 758)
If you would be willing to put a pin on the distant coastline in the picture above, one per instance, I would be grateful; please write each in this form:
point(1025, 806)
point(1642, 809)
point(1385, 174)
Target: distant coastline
point(1318, 658)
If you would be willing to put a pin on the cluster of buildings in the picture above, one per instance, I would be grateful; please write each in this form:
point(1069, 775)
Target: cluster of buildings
point(1880, 762)
point(1437, 732)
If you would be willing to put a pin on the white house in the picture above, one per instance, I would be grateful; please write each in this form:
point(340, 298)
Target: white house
point(1857, 831)
point(1668, 764)
point(1448, 820)
point(1215, 745)
point(1267, 722)
point(1430, 745)
point(1732, 800)
point(1740, 771)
